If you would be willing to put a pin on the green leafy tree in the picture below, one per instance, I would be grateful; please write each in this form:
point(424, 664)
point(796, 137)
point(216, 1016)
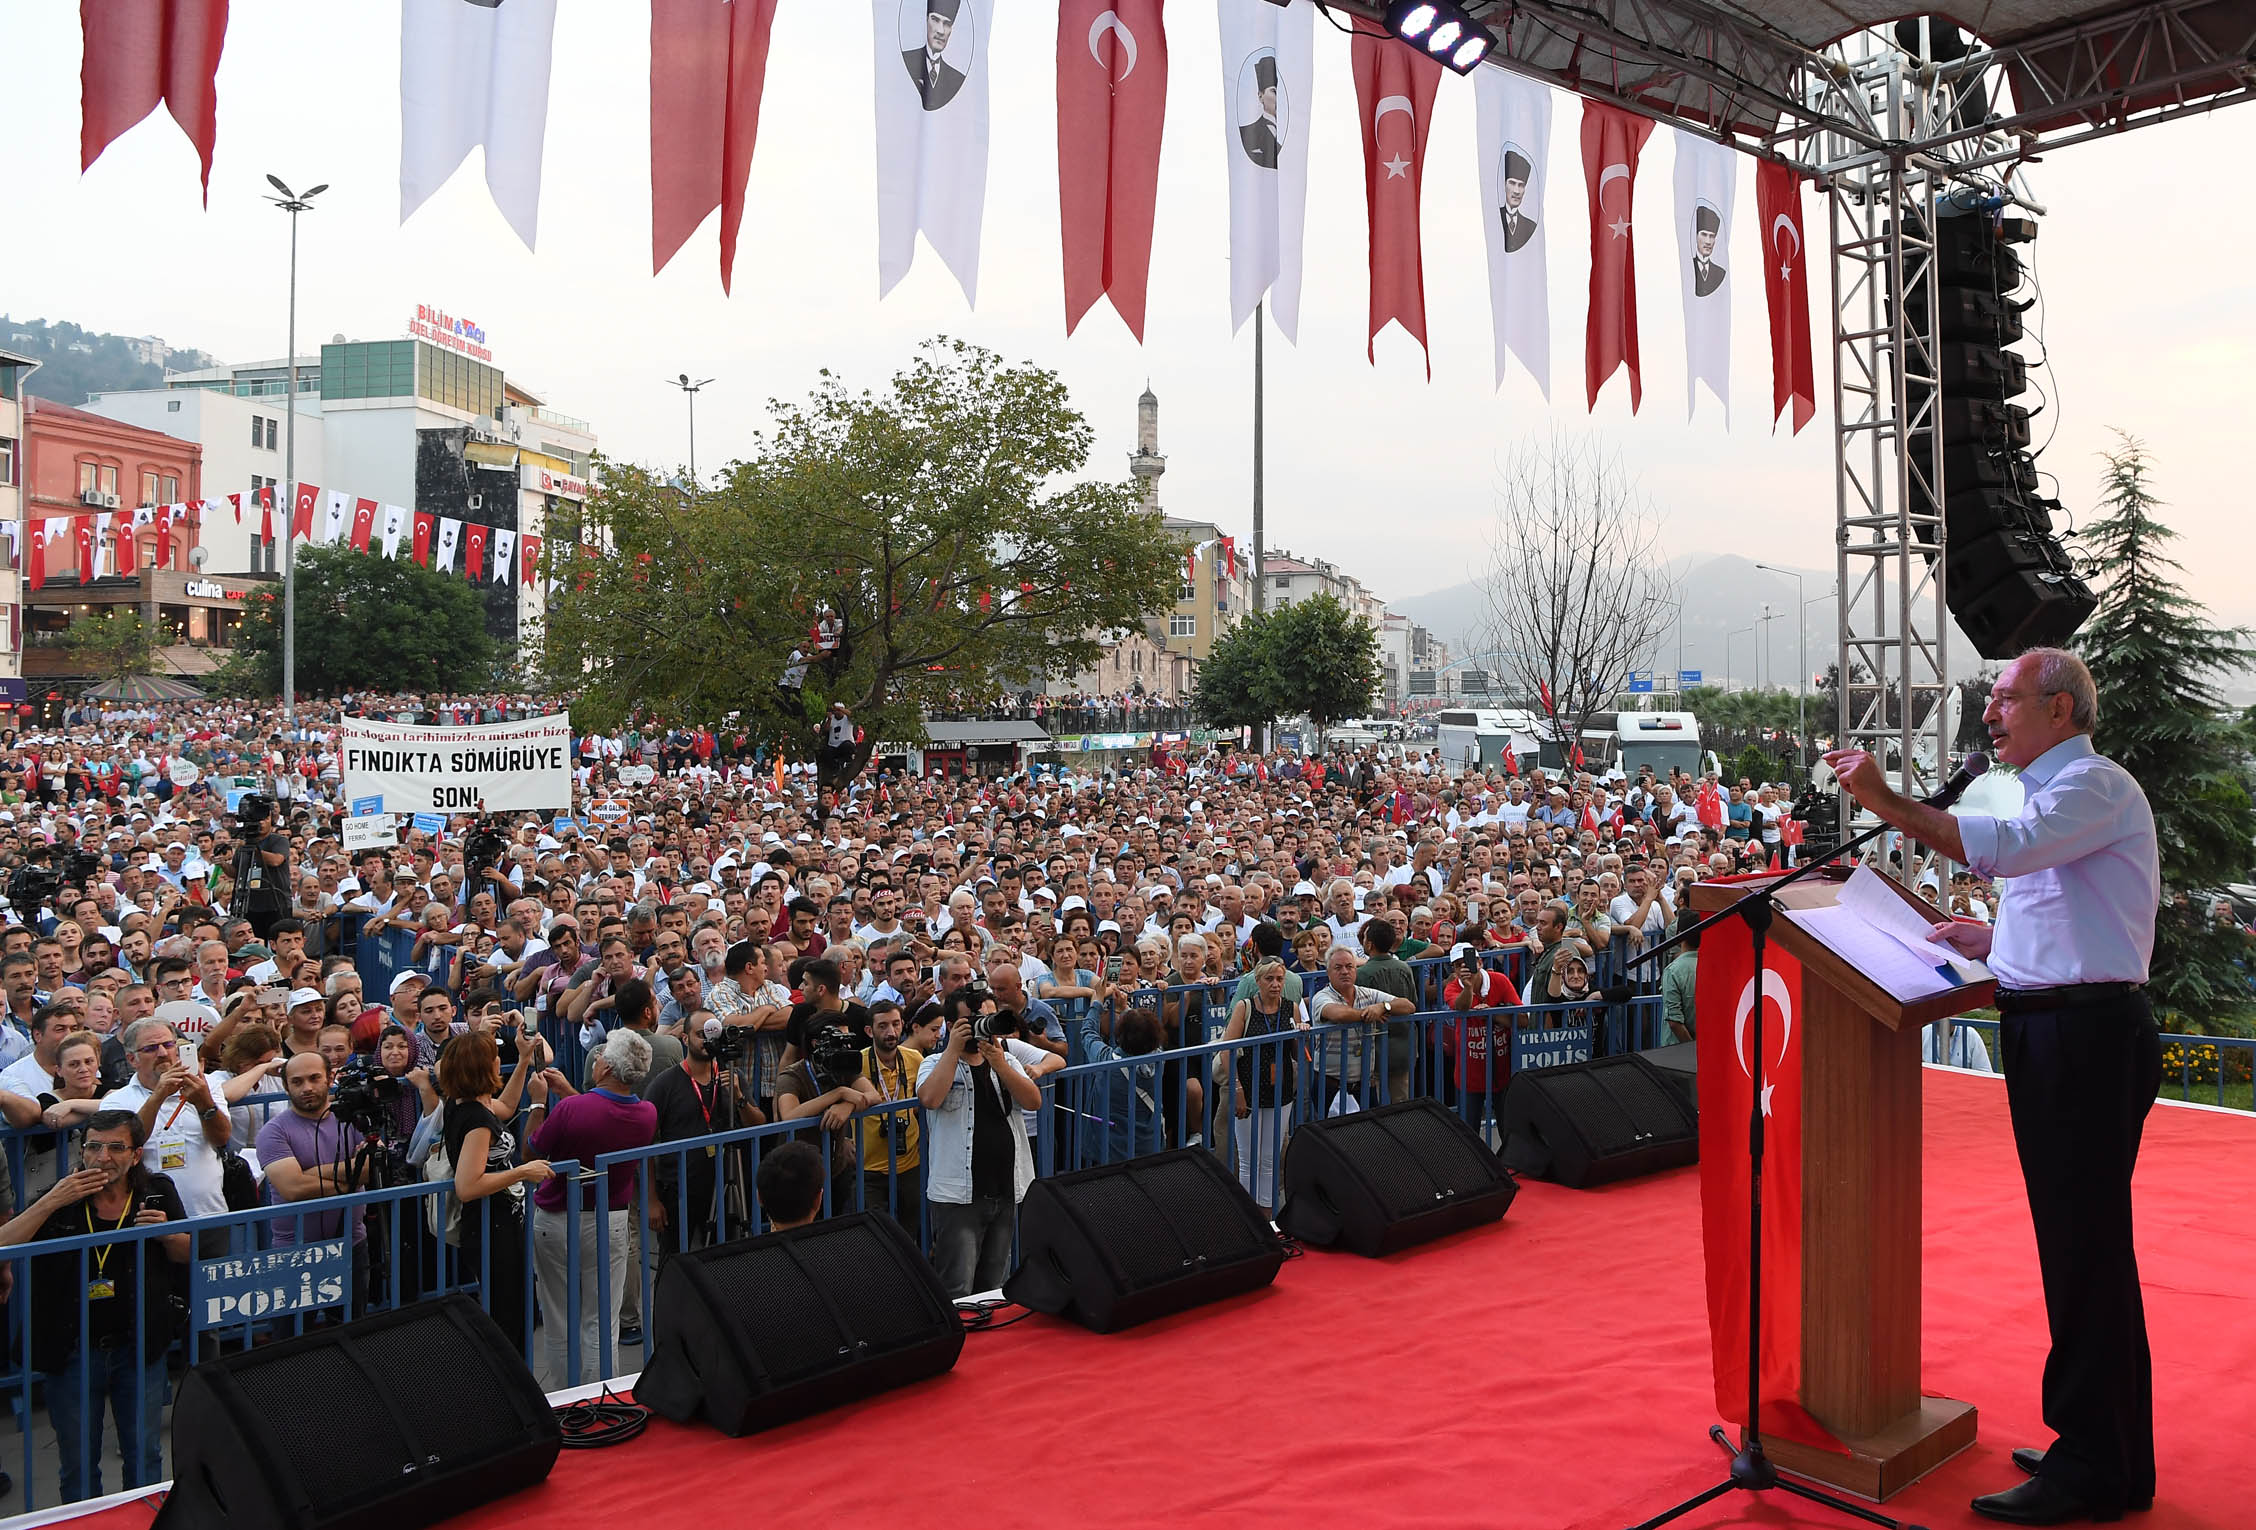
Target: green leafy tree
point(2156, 656)
point(1237, 682)
point(367, 622)
point(1313, 658)
point(928, 546)
point(118, 644)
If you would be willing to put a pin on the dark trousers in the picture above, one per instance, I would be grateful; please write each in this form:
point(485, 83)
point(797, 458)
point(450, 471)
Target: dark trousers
point(2080, 1082)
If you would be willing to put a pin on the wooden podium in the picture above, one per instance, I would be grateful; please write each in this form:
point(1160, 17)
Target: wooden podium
point(1860, 1209)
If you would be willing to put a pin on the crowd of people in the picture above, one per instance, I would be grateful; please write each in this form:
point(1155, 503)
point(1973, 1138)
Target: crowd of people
point(899, 962)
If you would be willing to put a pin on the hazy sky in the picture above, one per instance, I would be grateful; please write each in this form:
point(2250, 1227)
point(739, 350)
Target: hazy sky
point(1374, 467)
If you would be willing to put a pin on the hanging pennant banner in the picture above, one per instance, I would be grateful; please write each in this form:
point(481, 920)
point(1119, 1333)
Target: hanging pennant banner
point(486, 768)
point(932, 62)
point(1515, 171)
point(1707, 175)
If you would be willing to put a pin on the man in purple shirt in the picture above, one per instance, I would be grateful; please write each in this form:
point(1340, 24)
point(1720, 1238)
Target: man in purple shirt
point(609, 1117)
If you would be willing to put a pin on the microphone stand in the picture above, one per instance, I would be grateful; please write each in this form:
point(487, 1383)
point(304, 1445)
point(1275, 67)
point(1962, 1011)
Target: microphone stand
point(1751, 1469)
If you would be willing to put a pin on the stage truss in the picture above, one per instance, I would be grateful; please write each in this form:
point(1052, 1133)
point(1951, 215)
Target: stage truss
point(1884, 134)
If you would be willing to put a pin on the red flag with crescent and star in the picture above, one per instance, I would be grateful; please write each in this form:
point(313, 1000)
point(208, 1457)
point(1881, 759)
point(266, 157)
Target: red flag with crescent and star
point(528, 555)
point(1394, 81)
point(1793, 375)
point(301, 510)
point(142, 52)
point(425, 524)
point(1724, 1000)
point(1611, 141)
point(363, 523)
point(1112, 110)
point(708, 70)
point(474, 553)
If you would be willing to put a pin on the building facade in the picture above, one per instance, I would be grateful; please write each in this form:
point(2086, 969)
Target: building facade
point(95, 485)
point(14, 370)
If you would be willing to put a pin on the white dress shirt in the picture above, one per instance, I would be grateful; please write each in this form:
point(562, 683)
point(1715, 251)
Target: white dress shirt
point(2085, 872)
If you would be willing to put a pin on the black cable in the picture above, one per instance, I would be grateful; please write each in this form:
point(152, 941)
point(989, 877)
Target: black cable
point(979, 1317)
point(595, 1422)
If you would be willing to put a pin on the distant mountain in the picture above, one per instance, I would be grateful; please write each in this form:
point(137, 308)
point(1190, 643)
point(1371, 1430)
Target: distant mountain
point(1722, 627)
point(75, 362)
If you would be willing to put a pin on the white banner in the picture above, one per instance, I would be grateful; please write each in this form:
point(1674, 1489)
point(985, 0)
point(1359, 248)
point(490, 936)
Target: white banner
point(1706, 175)
point(933, 58)
point(1515, 172)
point(336, 519)
point(450, 534)
point(392, 527)
point(490, 767)
point(1268, 77)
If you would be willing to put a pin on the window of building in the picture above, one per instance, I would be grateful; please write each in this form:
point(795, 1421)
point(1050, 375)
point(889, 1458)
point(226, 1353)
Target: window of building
point(258, 431)
point(172, 406)
point(7, 462)
point(273, 433)
point(149, 488)
point(1186, 591)
point(1182, 626)
point(366, 369)
point(168, 490)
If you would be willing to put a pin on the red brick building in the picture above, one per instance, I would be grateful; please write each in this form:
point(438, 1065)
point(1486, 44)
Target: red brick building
point(82, 464)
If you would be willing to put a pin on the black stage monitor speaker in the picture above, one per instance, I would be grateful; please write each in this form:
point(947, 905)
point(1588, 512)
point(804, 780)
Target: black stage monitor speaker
point(1378, 1180)
point(1679, 1063)
point(765, 1330)
point(1126, 1242)
point(398, 1420)
point(1588, 1123)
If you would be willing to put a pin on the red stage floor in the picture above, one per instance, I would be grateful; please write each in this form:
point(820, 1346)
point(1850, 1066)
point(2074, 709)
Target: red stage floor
point(1549, 1372)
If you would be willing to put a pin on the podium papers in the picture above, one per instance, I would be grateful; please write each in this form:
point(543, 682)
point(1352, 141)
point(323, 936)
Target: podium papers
point(1885, 939)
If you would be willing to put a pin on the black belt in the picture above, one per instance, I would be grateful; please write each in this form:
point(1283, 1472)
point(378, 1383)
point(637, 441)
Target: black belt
point(2065, 996)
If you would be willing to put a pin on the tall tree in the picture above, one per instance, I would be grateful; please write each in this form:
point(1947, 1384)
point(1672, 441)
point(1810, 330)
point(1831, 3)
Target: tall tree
point(1314, 657)
point(2156, 656)
point(368, 622)
point(926, 546)
point(1575, 594)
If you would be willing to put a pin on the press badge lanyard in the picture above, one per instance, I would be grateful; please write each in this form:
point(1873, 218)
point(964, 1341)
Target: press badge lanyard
point(101, 1288)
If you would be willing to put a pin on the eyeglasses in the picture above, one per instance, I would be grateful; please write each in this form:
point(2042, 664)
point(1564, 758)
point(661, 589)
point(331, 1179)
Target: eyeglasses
point(157, 1048)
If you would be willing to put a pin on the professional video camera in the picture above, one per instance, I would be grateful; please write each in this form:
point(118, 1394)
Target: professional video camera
point(483, 846)
point(726, 1044)
point(31, 888)
point(251, 813)
point(835, 1055)
point(1820, 810)
point(364, 1094)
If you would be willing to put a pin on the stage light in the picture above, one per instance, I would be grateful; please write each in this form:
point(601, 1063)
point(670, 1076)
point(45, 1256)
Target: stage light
point(1443, 29)
point(1409, 19)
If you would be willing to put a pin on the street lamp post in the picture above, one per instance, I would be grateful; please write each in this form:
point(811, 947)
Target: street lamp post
point(690, 390)
point(1728, 673)
point(1801, 686)
point(293, 203)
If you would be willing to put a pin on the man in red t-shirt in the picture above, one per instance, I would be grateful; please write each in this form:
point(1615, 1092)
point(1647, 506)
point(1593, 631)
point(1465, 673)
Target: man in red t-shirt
point(1473, 987)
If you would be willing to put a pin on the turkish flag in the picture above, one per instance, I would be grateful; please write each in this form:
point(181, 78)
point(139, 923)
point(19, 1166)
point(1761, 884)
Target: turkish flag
point(424, 522)
point(35, 555)
point(1611, 141)
point(1511, 761)
point(1112, 108)
point(1793, 376)
point(1393, 79)
point(140, 52)
point(1725, 1000)
point(708, 68)
point(1707, 806)
point(266, 512)
point(474, 553)
point(164, 534)
point(87, 537)
point(301, 510)
point(363, 523)
point(528, 554)
point(235, 502)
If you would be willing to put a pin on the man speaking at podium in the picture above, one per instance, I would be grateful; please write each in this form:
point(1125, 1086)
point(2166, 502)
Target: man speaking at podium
point(2083, 1060)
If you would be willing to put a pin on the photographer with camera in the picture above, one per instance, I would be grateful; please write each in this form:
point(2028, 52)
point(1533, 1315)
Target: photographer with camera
point(261, 880)
point(978, 1161)
point(892, 1179)
point(696, 1099)
point(828, 1082)
point(310, 1151)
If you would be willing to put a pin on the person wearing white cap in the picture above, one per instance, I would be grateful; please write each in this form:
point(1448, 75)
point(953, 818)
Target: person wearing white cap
point(304, 1011)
